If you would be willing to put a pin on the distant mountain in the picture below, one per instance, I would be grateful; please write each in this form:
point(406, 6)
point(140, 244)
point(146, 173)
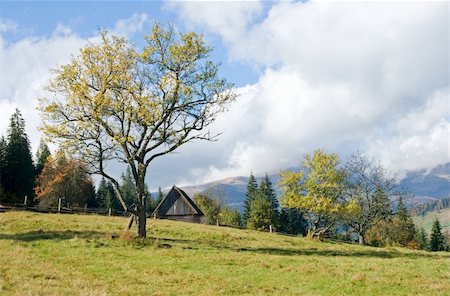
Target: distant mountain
point(233, 190)
point(430, 185)
point(425, 186)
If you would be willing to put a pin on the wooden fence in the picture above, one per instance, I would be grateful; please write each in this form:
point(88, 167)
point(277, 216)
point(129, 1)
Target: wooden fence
point(61, 209)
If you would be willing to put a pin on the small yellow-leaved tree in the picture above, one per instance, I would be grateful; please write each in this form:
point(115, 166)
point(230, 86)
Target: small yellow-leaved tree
point(317, 190)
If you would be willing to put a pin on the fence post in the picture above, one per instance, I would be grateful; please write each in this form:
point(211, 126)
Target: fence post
point(217, 221)
point(85, 207)
point(59, 205)
point(109, 212)
point(25, 200)
point(270, 228)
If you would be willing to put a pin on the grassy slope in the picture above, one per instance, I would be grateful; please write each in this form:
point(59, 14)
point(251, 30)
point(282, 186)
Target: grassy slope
point(45, 254)
point(427, 220)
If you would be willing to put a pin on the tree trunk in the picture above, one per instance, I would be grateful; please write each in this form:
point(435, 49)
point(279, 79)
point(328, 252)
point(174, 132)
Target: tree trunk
point(361, 239)
point(141, 222)
point(141, 215)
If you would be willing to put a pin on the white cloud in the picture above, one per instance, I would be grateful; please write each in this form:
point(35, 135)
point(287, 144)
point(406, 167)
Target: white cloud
point(128, 27)
point(342, 76)
point(418, 140)
point(26, 63)
point(7, 26)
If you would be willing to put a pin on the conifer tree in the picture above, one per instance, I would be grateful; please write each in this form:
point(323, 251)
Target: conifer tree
point(261, 214)
point(403, 225)
point(19, 172)
point(2, 165)
point(252, 191)
point(266, 191)
point(106, 196)
point(421, 238)
point(42, 155)
point(437, 239)
point(159, 196)
point(128, 187)
point(103, 195)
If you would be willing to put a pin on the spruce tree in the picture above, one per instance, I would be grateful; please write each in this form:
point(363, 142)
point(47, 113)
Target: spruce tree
point(261, 214)
point(2, 165)
point(103, 195)
point(404, 225)
point(42, 155)
point(421, 238)
point(252, 192)
point(437, 240)
point(19, 172)
point(266, 191)
point(159, 196)
point(128, 187)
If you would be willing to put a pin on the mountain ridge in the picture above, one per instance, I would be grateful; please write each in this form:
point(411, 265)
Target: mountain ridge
point(424, 185)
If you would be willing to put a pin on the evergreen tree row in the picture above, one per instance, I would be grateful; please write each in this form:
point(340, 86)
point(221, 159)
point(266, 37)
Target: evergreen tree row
point(47, 179)
point(17, 170)
point(262, 209)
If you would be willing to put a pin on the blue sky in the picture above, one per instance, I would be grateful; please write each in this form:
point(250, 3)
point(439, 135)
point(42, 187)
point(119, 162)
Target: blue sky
point(344, 76)
point(37, 18)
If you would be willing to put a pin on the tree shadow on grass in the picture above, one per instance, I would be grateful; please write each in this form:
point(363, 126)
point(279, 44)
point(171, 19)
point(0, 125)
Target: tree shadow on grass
point(369, 253)
point(37, 235)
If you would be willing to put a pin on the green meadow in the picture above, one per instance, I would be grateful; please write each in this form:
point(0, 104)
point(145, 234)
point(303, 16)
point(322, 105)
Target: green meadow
point(53, 254)
point(427, 221)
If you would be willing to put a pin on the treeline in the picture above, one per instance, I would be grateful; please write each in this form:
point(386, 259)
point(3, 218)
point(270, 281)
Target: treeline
point(47, 179)
point(441, 204)
point(17, 169)
point(355, 201)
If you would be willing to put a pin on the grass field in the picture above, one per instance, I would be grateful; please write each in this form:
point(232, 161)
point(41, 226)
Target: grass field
point(51, 254)
point(427, 221)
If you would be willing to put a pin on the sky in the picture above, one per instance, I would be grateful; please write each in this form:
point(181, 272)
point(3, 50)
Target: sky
point(341, 76)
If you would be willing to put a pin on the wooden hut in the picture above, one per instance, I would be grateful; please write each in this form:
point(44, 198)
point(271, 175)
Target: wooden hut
point(177, 205)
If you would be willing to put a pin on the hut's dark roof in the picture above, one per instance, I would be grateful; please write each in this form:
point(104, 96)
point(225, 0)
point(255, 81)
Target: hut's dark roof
point(166, 203)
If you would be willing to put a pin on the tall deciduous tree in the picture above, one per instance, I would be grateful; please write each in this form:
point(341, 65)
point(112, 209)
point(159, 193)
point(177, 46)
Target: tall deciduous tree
point(252, 192)
point(19, 171)
point(113, 102)
point(210, 205)
point(64, 178)
point(317, 190)
point(292, 221)
point(369, 187)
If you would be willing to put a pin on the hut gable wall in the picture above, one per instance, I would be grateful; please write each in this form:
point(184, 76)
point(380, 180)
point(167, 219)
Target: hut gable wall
point(180, 207)
point(177, 204)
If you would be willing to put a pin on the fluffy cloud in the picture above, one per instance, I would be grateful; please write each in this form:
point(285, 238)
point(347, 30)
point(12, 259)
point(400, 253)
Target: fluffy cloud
point(26, 63)
point(342, 76)
point(25, 69)
point(419, 139)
